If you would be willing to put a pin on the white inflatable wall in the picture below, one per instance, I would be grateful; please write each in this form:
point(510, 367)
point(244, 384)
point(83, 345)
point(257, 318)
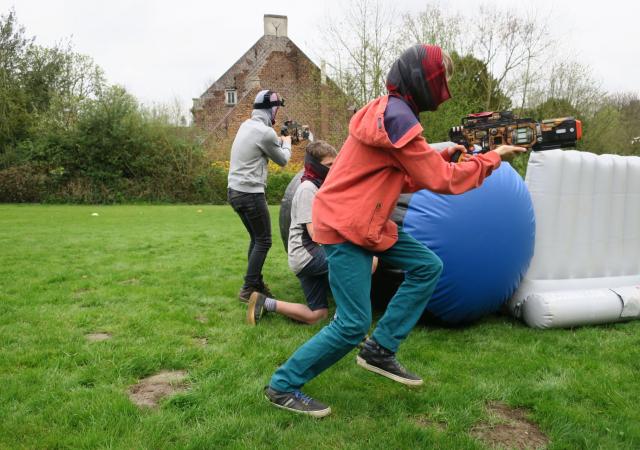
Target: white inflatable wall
point(586, 263)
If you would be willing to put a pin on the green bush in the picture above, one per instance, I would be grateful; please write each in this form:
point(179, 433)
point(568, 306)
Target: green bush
point(24, 183)
point(211, 186)
point(35, 183)
point(276, 185)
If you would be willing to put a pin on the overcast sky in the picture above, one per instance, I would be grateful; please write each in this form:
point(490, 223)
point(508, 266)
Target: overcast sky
point(164, 49)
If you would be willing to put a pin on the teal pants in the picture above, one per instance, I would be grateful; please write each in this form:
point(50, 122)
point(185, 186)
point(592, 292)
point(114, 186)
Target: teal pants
point(350, 279)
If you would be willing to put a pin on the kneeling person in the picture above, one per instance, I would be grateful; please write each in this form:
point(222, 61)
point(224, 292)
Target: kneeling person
point(306, 258)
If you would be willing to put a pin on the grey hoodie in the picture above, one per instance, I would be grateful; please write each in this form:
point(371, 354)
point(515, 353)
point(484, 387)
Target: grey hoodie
point(255, 143)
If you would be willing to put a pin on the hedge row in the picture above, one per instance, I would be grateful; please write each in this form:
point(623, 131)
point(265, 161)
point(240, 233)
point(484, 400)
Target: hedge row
point(36, 183)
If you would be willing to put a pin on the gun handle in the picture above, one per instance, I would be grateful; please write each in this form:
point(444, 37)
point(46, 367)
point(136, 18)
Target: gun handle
point(455, 158)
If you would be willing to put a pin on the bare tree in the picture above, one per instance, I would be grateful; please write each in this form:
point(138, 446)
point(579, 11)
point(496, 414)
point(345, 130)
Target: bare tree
point(359, 48)
point(433, 25)
point(571, 82)
point(510, 46)
point(517, 62)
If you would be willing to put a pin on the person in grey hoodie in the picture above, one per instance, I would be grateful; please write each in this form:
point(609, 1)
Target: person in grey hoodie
point(253, 146)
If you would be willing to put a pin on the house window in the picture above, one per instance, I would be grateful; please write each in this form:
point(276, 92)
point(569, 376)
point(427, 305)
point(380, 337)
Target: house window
point(230, 97)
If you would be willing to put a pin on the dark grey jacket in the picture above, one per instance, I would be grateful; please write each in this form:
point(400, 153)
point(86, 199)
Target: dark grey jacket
point(255, 143)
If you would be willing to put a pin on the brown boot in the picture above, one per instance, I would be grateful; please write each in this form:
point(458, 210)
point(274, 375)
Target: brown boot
point(245, 293)
point(264, 289)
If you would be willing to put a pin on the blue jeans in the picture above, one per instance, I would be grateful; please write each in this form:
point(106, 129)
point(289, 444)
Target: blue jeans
point(253, 211)
point(350, 279)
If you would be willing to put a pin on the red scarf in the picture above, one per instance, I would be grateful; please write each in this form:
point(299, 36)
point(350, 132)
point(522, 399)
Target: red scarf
point(314, 171)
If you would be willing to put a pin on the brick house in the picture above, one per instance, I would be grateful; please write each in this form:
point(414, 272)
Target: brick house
point(273, 62)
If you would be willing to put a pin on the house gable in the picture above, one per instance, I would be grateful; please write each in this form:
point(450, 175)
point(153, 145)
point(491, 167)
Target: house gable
point(274, 62)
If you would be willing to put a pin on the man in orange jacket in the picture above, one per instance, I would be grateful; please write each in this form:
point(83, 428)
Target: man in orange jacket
point(384, 155)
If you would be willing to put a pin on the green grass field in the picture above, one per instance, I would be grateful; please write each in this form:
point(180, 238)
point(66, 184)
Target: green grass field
point(151, 275)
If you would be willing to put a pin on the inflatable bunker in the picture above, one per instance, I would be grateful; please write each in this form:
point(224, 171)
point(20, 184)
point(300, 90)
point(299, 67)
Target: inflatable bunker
point(484, 237)
point(586, 266)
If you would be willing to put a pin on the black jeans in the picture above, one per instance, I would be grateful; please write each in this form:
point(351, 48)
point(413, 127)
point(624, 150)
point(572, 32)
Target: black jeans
point(253, 211)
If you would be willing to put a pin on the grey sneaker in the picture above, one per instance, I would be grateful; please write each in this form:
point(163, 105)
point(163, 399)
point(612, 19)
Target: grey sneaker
point(255, 308)
point(296, 402)
point(378, 359)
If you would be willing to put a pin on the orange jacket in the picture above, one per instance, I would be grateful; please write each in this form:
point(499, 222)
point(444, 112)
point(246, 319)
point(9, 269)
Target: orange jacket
point(385, 155)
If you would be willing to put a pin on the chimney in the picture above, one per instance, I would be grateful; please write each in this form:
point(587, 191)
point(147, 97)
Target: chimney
point(275, 25)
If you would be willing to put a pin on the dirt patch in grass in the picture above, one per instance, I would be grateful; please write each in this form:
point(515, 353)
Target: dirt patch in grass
point(130, 281)
point(201, 341)
point(425, 422)
point(202, 319)
point(97, 337)
point(149, 391)
point(510, 429)
point(80, 292)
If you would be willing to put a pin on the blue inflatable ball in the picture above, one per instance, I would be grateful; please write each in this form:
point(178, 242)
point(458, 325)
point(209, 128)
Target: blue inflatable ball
point(484, 237)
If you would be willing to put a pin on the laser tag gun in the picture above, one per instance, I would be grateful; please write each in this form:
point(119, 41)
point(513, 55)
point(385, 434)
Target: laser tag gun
point(488, 130)
point(296, 131)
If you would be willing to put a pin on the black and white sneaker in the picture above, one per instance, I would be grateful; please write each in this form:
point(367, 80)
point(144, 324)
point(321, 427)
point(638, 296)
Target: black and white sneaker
point(379, 360)
point(255, 308)
point(296, 402)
